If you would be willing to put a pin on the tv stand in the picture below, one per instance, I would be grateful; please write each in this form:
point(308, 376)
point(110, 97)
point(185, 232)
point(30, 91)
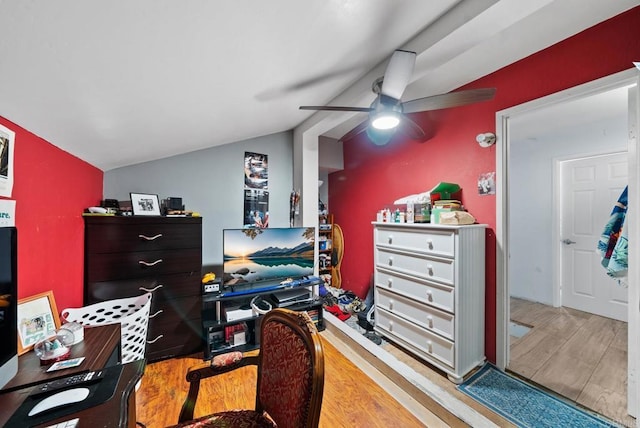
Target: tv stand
point(230, 324)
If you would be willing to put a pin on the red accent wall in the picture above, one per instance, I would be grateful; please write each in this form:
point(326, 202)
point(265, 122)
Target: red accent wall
point(51, 189)
point(375, 176)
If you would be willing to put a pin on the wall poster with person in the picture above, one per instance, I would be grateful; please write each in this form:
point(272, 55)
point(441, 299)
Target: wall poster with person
point(256, 193)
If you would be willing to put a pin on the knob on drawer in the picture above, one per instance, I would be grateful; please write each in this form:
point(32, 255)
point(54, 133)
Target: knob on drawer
point(390, 325)
point(389, 282)
point(390, 261)
point(430, 295)
point(429, 346)
point(430, 269)
point(391, 304)
point(430, 244)
point(390, 239)
point(430, 321)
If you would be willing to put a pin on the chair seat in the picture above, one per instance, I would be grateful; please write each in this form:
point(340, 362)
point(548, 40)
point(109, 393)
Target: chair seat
point(230, 419)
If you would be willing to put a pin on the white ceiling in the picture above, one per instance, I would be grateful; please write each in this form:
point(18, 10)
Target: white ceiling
point(121, 82)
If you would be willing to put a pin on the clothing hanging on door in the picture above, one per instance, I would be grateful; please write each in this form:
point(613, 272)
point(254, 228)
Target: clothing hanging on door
point(613, 243)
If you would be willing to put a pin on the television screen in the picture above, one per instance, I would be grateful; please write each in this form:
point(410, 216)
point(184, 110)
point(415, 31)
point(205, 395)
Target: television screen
point(267, 255)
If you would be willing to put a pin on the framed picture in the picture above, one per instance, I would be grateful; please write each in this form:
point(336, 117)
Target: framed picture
point(144, 204)
point(37, 319)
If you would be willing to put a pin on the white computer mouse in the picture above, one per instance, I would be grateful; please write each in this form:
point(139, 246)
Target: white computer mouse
point(68, 396)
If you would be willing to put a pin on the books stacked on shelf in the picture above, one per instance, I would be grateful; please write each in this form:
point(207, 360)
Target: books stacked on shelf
point(314, 314)
point(235, 334)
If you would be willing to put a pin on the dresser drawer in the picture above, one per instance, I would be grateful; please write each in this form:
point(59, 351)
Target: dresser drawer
point(134, 236)
point(428, 343)
point(172, 311)
point(430, 318)
point(423, 266)
point(163, 287)
point(434, 294)
point(436, 242)
point(104, 266)
point(173, 337)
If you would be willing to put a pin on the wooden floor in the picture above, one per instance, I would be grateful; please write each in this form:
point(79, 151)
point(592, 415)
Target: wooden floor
point(581, 356)
point(351, 398)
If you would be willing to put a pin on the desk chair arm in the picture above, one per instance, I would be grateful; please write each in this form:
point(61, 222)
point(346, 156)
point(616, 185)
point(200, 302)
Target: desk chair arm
point(220, 364)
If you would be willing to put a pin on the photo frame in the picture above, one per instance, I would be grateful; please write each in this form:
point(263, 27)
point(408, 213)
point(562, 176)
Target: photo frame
point(38, 319)
point(145, 204)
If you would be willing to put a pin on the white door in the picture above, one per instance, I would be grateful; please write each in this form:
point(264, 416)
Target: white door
point(589, 189)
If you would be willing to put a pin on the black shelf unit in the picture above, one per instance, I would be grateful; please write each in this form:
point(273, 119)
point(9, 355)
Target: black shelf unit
point(220, 335)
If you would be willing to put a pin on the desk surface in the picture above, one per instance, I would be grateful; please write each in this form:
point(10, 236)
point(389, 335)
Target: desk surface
point(98, 345)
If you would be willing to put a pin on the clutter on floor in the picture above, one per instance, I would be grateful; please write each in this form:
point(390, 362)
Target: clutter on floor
point(341, 303)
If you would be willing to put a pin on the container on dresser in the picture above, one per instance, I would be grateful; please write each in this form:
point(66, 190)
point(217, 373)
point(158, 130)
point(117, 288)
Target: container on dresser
point(128, 256)
point(429, 292)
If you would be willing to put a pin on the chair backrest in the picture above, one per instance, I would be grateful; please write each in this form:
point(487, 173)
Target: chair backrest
point(291, 369)
point(133, 315)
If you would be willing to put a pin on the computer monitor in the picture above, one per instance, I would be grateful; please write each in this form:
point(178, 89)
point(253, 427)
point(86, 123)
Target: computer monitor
point(8, 304)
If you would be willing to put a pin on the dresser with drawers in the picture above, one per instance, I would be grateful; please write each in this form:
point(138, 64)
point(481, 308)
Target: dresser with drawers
point(430, 292)
point(129, 256)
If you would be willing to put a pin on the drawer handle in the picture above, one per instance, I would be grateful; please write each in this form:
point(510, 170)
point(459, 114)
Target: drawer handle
point(429, 346)
point(149, 342)
point(391, 304)
point(430, 269)
point(390, 283)
point(146, 290)
point(390, 239)
point(429, 296)
point(142, 262)
point(390, 325)
point(390, 261)
point(156, 314)
point(150, 238)
point(430, 321)
point(430, 244)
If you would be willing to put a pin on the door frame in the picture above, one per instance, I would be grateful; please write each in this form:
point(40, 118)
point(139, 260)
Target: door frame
point(623, 78)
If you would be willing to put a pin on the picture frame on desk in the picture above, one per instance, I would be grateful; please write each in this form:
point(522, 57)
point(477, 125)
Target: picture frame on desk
point(38, 319)
point(145, 204)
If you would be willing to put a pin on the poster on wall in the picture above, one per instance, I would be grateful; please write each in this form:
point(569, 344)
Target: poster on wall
point(487, 183)
point(7, 141)
point(256, 171)
point(7, 213)
point(256, 209)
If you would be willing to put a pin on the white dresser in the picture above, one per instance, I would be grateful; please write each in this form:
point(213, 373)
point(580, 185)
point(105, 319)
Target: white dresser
point(429, 292)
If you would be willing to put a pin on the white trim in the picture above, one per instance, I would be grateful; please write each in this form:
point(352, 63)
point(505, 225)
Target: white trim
point(623, 78)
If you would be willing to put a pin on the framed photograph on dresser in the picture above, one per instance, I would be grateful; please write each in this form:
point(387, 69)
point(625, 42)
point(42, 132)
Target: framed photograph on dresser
point(145, 204)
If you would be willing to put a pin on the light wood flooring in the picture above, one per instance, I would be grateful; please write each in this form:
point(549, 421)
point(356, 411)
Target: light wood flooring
point(580, 356)
point(351, 397)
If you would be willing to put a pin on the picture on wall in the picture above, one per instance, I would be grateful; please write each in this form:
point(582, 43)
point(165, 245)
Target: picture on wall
point(7, 139)
point(256, 209)
point(487, 183)
point(256, 171)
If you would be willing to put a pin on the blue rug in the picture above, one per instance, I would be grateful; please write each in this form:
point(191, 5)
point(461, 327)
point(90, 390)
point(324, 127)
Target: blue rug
point(523, 404)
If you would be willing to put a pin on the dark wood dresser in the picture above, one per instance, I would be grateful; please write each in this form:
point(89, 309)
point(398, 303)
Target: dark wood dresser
point(129, 256)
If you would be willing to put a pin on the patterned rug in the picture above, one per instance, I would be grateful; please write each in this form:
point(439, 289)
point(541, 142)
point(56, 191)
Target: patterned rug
point(525, 405)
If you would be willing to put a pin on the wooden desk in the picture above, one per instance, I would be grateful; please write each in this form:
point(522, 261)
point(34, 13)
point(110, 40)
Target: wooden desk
point(98, 347)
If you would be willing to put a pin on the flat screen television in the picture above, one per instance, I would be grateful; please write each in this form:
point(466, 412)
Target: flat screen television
point(257, 256)
point(8, 304)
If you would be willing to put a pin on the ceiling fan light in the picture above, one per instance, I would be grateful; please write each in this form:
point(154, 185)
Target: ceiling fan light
point(387, 120)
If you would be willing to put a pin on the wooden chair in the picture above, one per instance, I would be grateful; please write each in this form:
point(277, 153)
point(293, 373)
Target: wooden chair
point(290, 378)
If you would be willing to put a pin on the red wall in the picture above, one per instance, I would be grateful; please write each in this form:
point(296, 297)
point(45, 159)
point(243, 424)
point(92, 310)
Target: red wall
point(51, 189)
point(374, 176)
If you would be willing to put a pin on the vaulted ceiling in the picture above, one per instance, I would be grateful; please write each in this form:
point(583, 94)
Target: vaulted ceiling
point(121, 82)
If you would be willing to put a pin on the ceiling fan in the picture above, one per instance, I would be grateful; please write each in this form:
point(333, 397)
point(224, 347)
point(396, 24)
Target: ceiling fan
point(388, 113)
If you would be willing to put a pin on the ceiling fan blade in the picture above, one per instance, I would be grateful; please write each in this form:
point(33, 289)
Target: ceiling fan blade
point(336, 108)
point(398, 73)
point(411, 129)
point(355, 131)
point(452, 99)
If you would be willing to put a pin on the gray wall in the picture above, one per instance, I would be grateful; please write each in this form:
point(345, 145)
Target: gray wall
point(211, 182)
point(531, 198)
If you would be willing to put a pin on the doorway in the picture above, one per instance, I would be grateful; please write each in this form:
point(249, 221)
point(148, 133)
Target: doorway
point(532, 139)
